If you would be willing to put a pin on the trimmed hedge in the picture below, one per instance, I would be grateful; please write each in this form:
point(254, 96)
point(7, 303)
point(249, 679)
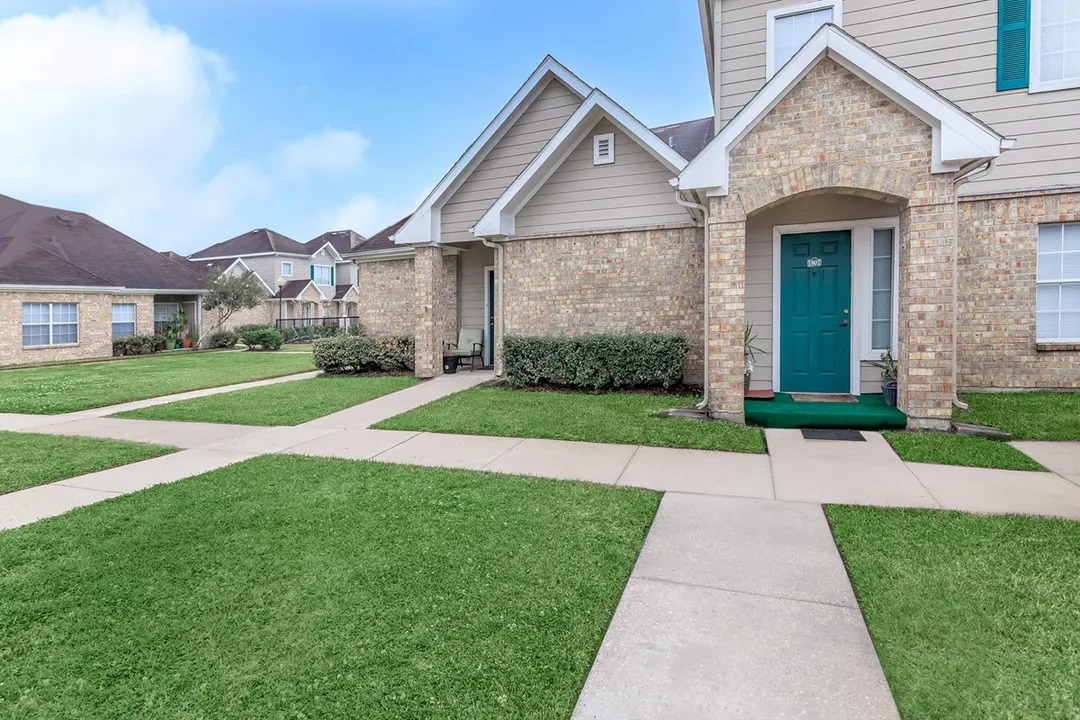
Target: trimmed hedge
point(224, 339)
point(347, 354)
point(266, 338)
point(248, 328)
point(138, 345)
point(304, 333)
point(596, 362)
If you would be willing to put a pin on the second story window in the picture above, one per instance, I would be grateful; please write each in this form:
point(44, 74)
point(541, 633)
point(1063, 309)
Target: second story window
point(286, 269)
point(789, 28)
point(322, 274)
point(1055, 46)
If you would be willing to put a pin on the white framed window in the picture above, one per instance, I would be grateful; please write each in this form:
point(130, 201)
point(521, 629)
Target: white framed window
point(123, 320)
point(45, 324)
point(1055, 45)
point(286, 269)
point(322, 274)
point(163, 313)
point(1057, 303)
point(604, 149)
point(882, 262)
point(788, 28)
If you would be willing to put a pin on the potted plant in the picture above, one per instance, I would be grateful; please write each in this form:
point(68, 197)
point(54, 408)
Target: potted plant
point(174, 328)
point(749, 350)
point(889, 373)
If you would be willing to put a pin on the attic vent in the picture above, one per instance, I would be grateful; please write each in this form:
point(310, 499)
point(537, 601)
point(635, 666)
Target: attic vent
point(671, 142)
point(604, 149)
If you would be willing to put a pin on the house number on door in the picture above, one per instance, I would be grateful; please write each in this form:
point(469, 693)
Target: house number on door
point(813, 262)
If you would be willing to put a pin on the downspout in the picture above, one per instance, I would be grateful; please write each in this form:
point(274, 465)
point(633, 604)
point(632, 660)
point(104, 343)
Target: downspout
point(704, 210)
point(499, 323)
point(957, 403)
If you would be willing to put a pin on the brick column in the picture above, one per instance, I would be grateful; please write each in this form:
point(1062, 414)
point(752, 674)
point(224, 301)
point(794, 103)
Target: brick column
point(429, 272)
point(926, 308)
point(727, 308)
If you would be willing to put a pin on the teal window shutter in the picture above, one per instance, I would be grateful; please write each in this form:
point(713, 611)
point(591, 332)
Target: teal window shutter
point(312, 273)
point(1014, 44)
point(332, 278)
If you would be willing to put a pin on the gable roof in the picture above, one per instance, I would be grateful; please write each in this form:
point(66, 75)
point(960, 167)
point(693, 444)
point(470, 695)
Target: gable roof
point(47, 246)
point(688, 138)
point(293, 289)
point(424, 224)
point(254, 242)
point(341, 240)
point(500, 218)
point(959, 137)
point(343, 291)
point(380, 241)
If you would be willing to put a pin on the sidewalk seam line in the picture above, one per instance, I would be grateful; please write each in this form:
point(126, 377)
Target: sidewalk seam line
point(504, 452)
point(744, 592)
point(623, 471)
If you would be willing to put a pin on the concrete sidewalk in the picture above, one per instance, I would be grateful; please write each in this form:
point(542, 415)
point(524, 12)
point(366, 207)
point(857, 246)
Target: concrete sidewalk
point(737, 609)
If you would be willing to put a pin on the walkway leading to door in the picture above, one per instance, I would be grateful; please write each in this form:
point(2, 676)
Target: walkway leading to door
point(737, 609)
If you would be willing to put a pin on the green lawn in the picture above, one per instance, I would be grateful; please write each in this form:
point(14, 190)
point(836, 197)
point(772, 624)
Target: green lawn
point(30, 460)
point(297, 348)
point(289, 587)
point(1028, 416)
point(68, 388)
point(289, 403)
point(946, 449)
point(608, 418)
point(973, 617)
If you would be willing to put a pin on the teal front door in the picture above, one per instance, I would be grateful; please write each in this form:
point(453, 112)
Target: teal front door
point(815, 312)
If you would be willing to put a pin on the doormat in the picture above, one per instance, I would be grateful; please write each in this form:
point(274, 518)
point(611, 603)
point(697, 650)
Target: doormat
point(828, 434)
point(839, 398)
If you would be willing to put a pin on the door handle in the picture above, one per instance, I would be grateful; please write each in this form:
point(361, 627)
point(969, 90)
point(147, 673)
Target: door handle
point(844, 324)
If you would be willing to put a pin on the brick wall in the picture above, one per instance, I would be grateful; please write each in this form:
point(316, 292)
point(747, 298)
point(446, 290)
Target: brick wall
point(387, 297)
point(998, 264)
point(95, 325)
point(626, 281)
point(435, 306)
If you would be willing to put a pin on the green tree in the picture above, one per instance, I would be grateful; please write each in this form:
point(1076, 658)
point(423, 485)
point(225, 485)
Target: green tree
point(229, 293)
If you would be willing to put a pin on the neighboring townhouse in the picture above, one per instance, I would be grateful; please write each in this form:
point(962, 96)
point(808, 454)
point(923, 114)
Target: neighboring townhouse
point(898, 176)
point(69, 285)
point(306, 283)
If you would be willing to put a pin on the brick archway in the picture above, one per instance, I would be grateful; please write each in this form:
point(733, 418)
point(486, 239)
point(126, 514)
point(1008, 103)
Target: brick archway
point(878, 182)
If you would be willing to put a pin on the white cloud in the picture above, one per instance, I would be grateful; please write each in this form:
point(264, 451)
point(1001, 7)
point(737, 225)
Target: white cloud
point(109, 112)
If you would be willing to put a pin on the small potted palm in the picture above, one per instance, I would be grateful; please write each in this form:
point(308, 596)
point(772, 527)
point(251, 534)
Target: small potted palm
point(889, 373)
point(749, 350)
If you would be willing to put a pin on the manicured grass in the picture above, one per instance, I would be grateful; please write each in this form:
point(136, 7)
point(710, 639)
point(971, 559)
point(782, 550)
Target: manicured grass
point(302, 587)
point(1028, 416)
point(289, 403)
point(30, 460)
point(945, 449)
point(297, 348)
point(54, 390)
point(973, 617)
point(609, 418)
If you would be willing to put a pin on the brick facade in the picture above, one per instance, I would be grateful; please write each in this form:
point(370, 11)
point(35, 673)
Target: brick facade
point(95, 325)
point(835, 133)
point(435, 276)
point(621, 282)
point(998, 265)
point(387, 297)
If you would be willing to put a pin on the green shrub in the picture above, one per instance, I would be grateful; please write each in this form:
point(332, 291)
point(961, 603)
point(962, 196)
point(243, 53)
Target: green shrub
point(248, 328)
point(596, 362)
point(138, 345)
point(266, 338)
point(224, 339)
point(308, 333)
point(347, 354)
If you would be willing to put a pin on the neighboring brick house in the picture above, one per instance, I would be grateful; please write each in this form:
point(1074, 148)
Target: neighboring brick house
point(306, 283)
point(898, 176)
point(69, 284)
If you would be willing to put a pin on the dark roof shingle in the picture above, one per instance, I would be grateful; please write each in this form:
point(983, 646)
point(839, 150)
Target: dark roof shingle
point(47, 246)
point(687, 138)
point(342, 240)
point(252, 243)
point(382, 239)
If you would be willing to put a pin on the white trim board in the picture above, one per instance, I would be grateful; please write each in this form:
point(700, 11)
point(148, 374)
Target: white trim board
point(425, 225)
point(958, 137)
point(862, 236)
point(500, 219)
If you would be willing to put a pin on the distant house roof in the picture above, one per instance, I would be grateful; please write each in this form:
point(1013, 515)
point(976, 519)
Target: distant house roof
point(293, 289)
point(342, 240)
point(688, 138)
point(46, 246)
point(254, 242)
point(342, 291)
point(382, 240)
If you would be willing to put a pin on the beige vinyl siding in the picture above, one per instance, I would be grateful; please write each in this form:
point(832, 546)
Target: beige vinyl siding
point(471, 284)
point(951, 45)
point(267, 268)
point(759, 261)
point(522, 142)
point(869, 379)
point(345, 274)
point(634, 191)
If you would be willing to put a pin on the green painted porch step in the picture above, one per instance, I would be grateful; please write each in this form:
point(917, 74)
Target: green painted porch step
point(869, 413)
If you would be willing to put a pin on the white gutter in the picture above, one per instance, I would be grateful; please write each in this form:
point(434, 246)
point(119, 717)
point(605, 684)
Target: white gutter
point(957, 182)
point(704, 210)
point(500, 325)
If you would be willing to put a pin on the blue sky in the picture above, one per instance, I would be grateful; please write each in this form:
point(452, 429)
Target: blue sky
point(406, 85)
